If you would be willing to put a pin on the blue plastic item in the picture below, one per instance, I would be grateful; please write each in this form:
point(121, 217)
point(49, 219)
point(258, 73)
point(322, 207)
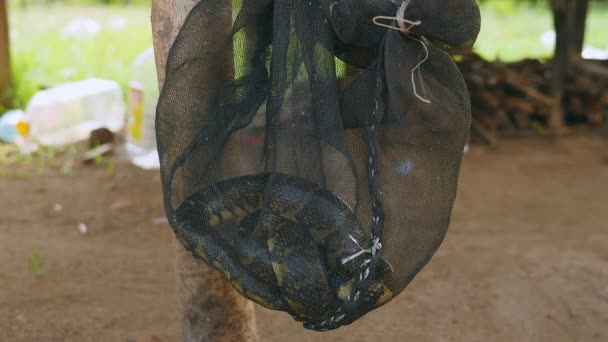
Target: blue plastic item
point(8, 125)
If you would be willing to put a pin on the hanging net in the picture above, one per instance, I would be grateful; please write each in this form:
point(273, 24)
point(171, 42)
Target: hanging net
point(310, 149)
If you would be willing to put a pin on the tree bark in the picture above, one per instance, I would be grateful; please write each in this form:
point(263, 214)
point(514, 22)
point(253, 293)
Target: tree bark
point(570, 18)
point(210, 308)
point(561, 22)
point(5, 63)
point(578, 29)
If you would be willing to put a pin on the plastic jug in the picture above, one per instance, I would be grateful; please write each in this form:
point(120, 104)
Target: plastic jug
point(69, 112)
point(143, 97)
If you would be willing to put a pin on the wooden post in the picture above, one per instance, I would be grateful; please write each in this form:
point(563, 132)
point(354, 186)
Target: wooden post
point(578, 27)
point(210, 309)
point(570, 18)
point(562, 22)
point(5, 63)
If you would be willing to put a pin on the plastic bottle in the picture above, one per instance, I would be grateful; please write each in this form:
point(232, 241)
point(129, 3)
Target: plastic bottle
point(143, 97)
point(69, 112)
point(8, 125)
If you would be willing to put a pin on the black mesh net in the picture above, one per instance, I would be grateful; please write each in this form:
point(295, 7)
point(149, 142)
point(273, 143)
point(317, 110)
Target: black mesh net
point(310, 149)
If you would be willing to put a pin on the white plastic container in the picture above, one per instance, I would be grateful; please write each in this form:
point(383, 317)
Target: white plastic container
point(143, 98)
point(69, 112)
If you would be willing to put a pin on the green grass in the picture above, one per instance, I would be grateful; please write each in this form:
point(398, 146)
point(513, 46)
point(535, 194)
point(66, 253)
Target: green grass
point(36, 262)
point(512, 32)
point(41, 57)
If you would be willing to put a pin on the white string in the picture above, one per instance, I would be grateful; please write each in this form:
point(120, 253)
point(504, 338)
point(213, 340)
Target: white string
point(401, 15)
point(399, 18)
point(426, 50)
point(376, 245)
point(401, 21)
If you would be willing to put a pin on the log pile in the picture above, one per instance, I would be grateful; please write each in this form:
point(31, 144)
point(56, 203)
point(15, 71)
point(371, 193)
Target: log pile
point(513, 97)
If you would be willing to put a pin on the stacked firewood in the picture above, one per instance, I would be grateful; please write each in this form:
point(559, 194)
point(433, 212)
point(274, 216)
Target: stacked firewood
point(513, 97)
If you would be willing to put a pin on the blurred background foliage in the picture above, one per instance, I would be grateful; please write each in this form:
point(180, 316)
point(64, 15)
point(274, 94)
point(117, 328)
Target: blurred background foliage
point(46, 50)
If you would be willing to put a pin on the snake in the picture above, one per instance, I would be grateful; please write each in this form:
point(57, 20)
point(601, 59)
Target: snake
point(287, 244)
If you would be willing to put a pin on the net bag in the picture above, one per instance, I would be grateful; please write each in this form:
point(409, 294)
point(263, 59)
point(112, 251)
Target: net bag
point(316, 191)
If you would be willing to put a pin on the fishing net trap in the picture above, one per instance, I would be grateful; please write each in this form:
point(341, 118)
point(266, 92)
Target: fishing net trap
point(310, 149)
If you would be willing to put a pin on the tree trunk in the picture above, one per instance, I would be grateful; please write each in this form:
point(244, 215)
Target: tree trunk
point(579, 25)
point(561, 22)
point(570, 18)
point(210, 309)
point(5, 63)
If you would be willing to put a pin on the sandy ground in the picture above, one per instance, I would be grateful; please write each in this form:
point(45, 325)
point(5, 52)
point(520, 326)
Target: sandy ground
point(525, 259)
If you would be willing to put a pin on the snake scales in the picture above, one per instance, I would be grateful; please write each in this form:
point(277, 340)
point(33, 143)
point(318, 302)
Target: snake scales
point(285, 243)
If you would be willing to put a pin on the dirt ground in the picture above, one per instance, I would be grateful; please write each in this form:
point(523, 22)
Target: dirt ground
point(525, 259)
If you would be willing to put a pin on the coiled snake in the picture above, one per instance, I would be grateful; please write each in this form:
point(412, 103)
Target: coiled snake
point(288, 245)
